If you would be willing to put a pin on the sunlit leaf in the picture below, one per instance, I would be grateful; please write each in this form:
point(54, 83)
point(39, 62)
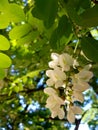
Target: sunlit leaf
point(16, 13)
point(5, 61)
point(19, 31)
point(4, 21)
point(28, 38)
point(10, 13)
point(4, 43)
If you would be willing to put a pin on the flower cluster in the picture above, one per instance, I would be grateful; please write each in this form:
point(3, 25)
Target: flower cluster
point(66, 82)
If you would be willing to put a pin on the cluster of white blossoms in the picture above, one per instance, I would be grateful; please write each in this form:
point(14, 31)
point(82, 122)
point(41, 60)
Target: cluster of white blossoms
point(66, 84)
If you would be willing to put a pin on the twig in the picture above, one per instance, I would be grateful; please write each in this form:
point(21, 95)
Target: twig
point(77, 122)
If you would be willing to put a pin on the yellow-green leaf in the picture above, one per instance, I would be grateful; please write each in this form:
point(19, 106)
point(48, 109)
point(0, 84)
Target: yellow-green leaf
point(19, 31)
point(5, 61)
point(4, 43)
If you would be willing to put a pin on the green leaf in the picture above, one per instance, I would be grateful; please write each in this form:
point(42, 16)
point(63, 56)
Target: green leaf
point(71, 9)
point(80, 5)
point(90, 17)
point(19, 31)
point(90, 48)
point(64, 27)
point(46, 10)
point(82, 15)
point(4, 21)
point(5, 61)
point(95, 69)
point(4, 43)
point(4, 3)
point(62, 33)
point(90, 114)
point(16, 13)
point(28, 38)
point(10, 13)
point(2, 73)
point(35, 22)
point(4, 18)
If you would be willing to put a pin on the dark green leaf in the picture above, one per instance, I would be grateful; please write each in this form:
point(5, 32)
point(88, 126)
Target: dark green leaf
point(80, 4)
point(90, 17)
point(95, 69)
point(71, 8)
point(62, 32)
point(46, 10)
point(90, 48)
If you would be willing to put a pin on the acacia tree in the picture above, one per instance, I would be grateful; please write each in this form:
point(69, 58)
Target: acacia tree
point(32, 96)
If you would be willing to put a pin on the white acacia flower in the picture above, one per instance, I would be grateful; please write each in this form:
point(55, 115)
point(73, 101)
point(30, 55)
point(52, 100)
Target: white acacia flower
point(54, 103)
point(75, 63)
point(80, 80)
point(73, 110)
point(56, 77)
point(79, 85)
point(84, 75)
point(65, 61)
point(54, 62)
point(57, 112)
point(77, 96)
point(50, 91)
point(73, 85)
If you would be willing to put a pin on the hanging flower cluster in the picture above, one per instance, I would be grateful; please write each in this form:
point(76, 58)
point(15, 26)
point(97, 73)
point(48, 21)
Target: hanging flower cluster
point(65, 85)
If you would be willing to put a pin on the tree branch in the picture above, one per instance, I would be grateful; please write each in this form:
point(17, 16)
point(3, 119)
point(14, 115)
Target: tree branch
point(23, 91)
point(77, 122)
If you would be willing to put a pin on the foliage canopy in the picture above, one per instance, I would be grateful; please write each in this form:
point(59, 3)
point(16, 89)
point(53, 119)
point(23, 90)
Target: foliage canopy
point(30, 30)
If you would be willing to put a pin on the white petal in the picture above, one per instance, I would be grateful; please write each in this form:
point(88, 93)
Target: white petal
point(85, 75)
point(53, 114)
point(49, 73)
point(50, 82)
point(53, 64)
point(59, 74)
point(70, 116)
point(77, 110)
point(75, 63)
point(61, 113)
point(60, 101)
point(54, 56)
point(56, 74)
point(77, 96)
point(81, 86)
point(58, 84)
point(51, 105)
point(87, 67)
point(65, 61)
point(49, 91)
